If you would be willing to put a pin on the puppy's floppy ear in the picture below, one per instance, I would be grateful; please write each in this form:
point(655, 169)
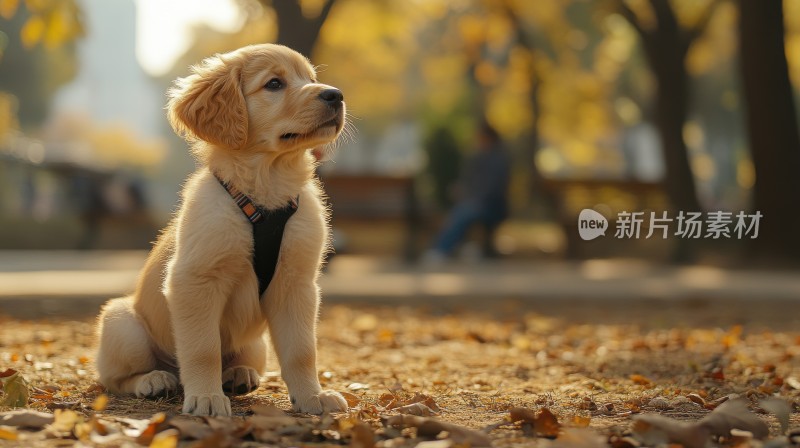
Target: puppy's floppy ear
point(209, 104)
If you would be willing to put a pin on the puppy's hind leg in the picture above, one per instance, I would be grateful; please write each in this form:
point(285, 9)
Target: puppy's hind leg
point(243, 374)
point(125, 361)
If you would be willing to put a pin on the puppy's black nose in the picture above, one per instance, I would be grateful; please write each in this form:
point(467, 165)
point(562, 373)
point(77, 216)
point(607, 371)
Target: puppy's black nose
point(332, 97)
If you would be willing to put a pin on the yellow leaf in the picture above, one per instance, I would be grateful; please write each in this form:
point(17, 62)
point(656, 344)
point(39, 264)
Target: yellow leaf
point(165, 439)
point(65, 420)
point(8, 8)
point(8, 434)
point(56, 31)
point(32, 31)
point(100, 403)
point(580, 421)
point(640, 379)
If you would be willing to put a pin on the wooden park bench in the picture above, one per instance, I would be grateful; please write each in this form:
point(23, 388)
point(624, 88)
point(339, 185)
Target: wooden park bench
point(570, 196)
point(366, 203)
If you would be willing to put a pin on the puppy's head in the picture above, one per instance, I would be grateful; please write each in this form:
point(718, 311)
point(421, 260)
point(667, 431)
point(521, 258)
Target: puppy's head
point(261, 96)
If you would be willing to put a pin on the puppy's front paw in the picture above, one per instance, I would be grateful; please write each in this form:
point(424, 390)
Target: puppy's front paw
point(326, 401)
point(217, 405)
point(240, 380)
point(156, 383)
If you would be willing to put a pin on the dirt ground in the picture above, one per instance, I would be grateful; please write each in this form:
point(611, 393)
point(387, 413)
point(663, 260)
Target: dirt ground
point(494, 367)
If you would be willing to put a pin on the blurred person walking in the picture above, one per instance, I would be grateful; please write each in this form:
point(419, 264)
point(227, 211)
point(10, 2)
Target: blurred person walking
point(483, 198)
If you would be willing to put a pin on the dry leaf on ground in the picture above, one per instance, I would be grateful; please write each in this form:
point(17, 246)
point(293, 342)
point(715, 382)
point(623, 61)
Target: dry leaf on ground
point(15, 389)
point(26, 419)
point(780, 408)
point(544, 423)
point(431, 428)
point(653, 429)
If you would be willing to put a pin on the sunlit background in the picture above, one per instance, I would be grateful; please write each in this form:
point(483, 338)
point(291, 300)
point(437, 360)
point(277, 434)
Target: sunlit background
point(586, 94)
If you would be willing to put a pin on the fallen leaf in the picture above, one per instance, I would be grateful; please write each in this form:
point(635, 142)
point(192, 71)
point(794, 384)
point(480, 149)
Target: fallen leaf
point(96, 387)
point(386, 399)
point(156, 424)
point(191, 428)
point(217, 439)
point(544, 423)
point(780, 408)
point(739, 438)
point(579, 438)
point(714, 404)
point(733, 414)
point(581, 421)
point(269, 422)
point(235, 428)
point(53, 405)
point(431, 428)
point(654, 429)
point(165, 439)
point(351, 399)
point(99, 427)
point(793, 382)
point(623, 442)
point(362, 436)
point(133, 427)
point(64, 421)
point(15, 389)
point(641, 380)
point(445, 443)
point(26, 419)
point(427, 400)
point(100, 403)
point(697, 399)
point(268, 410)
point(522, 414)
point(8, 434)
point(416, 409)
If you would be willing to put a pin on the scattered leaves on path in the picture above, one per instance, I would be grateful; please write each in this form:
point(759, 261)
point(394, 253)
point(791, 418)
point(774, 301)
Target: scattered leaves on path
point(586, 378)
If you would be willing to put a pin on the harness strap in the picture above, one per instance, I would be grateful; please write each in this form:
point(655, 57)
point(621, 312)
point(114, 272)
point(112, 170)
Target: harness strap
point(268, 227)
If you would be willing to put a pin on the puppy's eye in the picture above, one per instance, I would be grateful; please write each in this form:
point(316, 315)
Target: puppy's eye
point(274, 84)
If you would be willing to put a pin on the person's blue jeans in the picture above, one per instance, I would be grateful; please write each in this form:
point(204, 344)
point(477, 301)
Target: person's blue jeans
point(461, 218)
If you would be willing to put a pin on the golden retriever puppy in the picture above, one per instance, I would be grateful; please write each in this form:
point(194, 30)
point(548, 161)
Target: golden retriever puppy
point(251, 116)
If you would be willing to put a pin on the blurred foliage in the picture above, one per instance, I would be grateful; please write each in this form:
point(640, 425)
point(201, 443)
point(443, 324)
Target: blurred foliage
point(105, 146)
point(8, 114)
point(568, 78)
point(37, 54)
point(52, 23)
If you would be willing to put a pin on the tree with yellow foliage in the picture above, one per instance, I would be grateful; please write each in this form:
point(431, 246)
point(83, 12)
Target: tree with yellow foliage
point(37, 54)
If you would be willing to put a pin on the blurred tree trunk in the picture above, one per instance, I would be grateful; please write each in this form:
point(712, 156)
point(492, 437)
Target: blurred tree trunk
point(547, 201)
point(665, 45)
point(772, 127)
point(295, 30)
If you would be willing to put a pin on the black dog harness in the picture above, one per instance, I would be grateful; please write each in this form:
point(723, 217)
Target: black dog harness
point(268, 227)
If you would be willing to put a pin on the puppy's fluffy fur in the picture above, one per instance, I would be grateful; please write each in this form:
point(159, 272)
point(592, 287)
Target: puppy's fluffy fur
point(251, 117)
